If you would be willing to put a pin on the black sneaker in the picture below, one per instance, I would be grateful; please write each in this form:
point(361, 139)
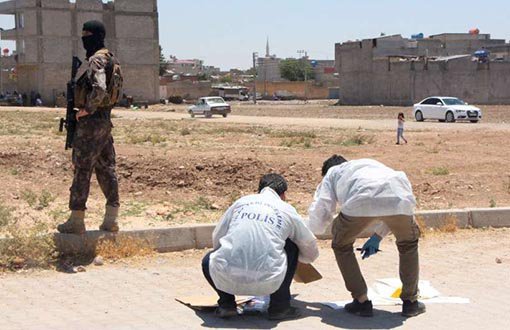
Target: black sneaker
point(225, 312)
point(362, 309)
point(412, 308)
point(286, 314)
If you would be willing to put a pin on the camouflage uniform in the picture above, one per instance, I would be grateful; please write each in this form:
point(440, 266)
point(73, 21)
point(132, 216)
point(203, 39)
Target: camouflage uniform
point(93, 143)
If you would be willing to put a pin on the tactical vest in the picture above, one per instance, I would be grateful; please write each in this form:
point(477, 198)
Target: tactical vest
point(114, 82)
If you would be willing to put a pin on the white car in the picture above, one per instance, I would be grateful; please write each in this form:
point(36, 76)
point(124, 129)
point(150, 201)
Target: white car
point(447, 109)
point(209, 106)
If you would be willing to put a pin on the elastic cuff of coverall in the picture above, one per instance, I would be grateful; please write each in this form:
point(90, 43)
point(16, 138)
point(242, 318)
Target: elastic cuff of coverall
point(411, 298)
point(90, 110)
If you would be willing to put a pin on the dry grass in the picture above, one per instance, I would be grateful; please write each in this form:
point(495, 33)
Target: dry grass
point(123, 247)
point(5, 215)
point(358, 140)
point(449, 225)
point(27, 248)
point(441, 170)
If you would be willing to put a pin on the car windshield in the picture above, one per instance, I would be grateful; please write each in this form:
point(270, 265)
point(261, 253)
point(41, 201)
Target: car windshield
point(215, 100)
point(454, 101)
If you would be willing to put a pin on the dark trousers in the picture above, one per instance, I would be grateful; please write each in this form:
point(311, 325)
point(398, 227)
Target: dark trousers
point(280, 300)
point(93, 151)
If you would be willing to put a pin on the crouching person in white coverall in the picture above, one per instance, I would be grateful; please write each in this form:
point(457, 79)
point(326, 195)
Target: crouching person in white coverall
point(368, 191)
point(257, 245)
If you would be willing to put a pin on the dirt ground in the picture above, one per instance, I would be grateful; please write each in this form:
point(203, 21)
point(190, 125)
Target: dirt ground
point(189, 171)
point(326, 109)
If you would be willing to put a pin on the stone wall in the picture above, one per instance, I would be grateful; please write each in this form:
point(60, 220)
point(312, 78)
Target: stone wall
point(52, 34)
point(370, 75)
point(406, 83)
point(298, 89)
point(187, 89)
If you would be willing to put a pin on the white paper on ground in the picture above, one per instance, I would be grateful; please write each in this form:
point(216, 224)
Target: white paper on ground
point(385, 292)
point(257, 304)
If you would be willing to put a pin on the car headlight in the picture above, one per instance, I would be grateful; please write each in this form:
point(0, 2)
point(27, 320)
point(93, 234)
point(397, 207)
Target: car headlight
point(460, 111)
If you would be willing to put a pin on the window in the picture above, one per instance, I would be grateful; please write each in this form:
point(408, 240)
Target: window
point(454, 101)
point(21, 21)
point(428, 101)
point(216, 100)
point(431, 101)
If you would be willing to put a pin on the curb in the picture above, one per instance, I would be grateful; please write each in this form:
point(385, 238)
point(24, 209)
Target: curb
point(162, 240)
point(490, 217)
point(182, 238)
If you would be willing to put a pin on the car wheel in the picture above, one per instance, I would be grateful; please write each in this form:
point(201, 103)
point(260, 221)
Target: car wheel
point(418, 115)
point(192, 114)
point(474, 121)
point(224, 115)
point(450, 118)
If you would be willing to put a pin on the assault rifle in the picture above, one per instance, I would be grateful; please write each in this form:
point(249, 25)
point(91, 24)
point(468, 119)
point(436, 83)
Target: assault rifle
point(70, 121)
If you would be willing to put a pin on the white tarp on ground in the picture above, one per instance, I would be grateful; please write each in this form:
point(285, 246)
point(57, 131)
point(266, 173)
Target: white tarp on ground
point(386, 292)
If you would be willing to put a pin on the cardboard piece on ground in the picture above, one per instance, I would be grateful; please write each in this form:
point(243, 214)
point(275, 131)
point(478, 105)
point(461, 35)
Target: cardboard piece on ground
point(306, 273)
point(206, 302)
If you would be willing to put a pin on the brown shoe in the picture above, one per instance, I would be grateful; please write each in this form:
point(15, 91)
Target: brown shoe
point(110, 220)
point(74, 225)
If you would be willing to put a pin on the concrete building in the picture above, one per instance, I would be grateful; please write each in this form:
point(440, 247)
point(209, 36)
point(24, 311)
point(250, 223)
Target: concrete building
point(48, 32)
point(324, 70)
point(392, 70)
point(191, 67)
point(8, 74)
point(268, 67)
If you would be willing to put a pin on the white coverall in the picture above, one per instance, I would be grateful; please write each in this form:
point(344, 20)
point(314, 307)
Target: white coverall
point(249, 257)
point(363, 188)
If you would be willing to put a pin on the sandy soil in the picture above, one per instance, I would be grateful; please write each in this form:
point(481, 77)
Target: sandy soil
point(174, 170)
point(326, 109)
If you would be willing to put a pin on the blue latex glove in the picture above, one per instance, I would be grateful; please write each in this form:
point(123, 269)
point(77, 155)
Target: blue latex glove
point(371, 246)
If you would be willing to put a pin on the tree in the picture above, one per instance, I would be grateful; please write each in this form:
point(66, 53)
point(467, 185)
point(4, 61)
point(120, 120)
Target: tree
point(252, 71)
point(226, 79)
point(294, 70)
point(202, 76)
point(163, 63)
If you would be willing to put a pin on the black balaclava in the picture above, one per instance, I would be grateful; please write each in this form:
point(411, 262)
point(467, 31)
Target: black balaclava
point(94, 42)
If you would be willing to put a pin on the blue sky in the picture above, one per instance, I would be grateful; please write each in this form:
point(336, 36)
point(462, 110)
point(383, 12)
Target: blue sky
point(224, 33)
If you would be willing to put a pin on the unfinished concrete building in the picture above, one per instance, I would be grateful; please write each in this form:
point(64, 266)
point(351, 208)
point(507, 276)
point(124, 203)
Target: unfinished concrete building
point(393, 70)
point(48, 33)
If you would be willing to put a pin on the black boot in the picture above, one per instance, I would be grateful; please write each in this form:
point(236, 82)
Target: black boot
point(412, 308)
point(225, 312)
point(362, 309)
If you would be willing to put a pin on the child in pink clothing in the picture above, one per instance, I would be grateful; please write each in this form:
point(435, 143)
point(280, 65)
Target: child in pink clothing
point(400, 129)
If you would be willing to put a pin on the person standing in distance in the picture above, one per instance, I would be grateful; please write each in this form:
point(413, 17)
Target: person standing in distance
point(97, 91)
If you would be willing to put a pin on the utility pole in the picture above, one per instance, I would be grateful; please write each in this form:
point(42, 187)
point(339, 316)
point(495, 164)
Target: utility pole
point(255, 77)
point(305, 57)
point(1, 68)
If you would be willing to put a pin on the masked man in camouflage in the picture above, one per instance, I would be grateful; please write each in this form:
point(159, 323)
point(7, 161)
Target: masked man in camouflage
point(97, 91)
